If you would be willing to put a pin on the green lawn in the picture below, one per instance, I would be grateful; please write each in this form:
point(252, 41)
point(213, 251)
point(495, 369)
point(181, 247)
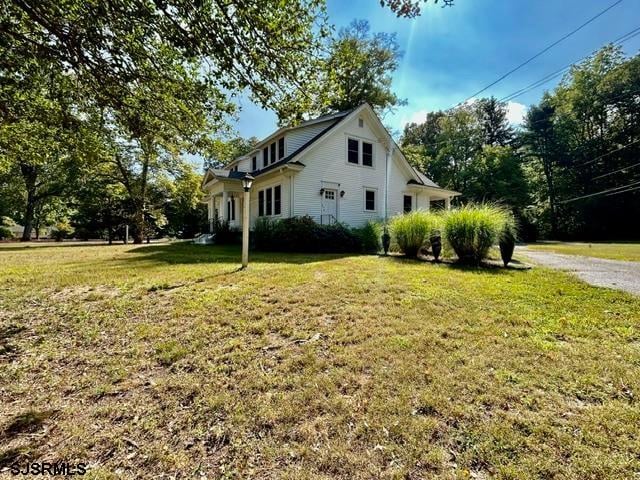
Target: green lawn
point(165, 359)
point(613, 251)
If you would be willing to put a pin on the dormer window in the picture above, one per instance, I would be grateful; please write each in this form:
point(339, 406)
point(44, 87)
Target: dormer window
point(254, 163)
point(273, 152)
point(281, 148)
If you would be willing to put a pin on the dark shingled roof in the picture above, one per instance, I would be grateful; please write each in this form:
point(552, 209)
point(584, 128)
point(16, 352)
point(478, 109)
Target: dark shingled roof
point(292, 155)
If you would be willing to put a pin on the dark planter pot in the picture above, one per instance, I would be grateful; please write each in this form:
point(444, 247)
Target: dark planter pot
point(436, 246)
point(507, 246)
point(386, 242)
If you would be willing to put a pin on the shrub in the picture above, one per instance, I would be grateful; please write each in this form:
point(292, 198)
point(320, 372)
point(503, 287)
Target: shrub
point(369, 236)
point(473, 229)
point(225, 233)
point(303, 234)
point(61, 230)
point(7, 222)
point(5, 233)
point(412, 230)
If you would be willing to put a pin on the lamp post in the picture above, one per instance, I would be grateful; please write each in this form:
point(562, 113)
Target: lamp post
point(247, 181)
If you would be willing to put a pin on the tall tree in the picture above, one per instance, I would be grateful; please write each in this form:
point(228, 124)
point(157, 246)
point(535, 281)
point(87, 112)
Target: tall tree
point(356, 68)
point(493, 121)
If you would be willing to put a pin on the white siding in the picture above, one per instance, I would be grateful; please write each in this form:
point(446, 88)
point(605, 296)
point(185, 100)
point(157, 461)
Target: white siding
point(326, 163)
point(298, 137)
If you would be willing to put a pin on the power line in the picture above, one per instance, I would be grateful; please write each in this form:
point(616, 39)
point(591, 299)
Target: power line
point(622, 191)
point(544, 50)
point(603, 192)
point(612, 151)
point(620, 40)
point(616, 171)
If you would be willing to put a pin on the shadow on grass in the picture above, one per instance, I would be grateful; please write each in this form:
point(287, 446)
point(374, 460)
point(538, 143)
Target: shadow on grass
point(188, 253)
point(484, 267)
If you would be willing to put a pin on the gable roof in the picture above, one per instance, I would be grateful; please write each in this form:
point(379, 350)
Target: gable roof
point(419, 178)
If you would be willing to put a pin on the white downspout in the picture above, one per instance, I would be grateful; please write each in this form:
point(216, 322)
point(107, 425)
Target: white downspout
point(386, 184)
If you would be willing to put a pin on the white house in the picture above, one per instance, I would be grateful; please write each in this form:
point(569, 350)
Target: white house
point(343, 167)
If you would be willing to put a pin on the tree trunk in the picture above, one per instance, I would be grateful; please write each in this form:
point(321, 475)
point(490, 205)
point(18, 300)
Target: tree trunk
point(138, 220)
point(30, 175)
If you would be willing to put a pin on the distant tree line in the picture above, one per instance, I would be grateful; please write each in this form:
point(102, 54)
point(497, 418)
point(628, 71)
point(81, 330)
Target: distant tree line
point(571, 171)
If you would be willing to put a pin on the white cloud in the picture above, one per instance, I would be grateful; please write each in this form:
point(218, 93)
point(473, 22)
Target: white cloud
point(418, 116)
point(516, 112)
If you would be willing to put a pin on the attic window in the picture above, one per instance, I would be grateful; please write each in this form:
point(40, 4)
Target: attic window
point(360, 123)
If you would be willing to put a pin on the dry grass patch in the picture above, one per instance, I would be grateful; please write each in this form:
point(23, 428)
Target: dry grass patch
point(167, 360)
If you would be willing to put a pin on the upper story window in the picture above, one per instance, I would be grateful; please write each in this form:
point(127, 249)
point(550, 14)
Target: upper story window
point(273, 152)
point(254, 163)
point(367, 154)
point(353, 151)
point(281, 148)
point(265, 157)
point(407, 203)
point(235, 168)
point(359, 152)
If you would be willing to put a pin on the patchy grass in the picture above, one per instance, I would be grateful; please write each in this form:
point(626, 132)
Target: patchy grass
point(612, 251)
point(165, 359)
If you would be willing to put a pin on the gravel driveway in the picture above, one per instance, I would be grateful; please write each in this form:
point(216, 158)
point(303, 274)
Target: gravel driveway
point(595, 271)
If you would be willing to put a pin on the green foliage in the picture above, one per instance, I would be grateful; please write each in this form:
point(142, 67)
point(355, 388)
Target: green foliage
point(303, 234)
point(360, 68)
point(473, 229)
point(7, 222)
point(225, 234)
point(579, 141)
point(5, 233)
point(62, 230)
point(370, 236)
point(412, 230)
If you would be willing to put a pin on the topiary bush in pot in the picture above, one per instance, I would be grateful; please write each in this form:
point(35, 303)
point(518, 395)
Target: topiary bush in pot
point(472, 230)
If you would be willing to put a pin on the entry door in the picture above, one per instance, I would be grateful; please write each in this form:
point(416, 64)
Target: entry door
point(329, 206)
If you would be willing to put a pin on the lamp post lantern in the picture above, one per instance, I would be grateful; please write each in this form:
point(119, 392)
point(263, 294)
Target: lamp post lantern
point(247, 181)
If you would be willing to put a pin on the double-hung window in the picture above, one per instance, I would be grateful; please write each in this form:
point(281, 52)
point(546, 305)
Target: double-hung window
point(273, 152)
point(261, 203)
point(367, 154)
point(281, 148)
point(407, 203)
point(353, 151)
point(359, 152)
point(277, 200)
point(369, 200)
point(254, 163)
point(265, 157)
point(268, 193)
point(270, 201)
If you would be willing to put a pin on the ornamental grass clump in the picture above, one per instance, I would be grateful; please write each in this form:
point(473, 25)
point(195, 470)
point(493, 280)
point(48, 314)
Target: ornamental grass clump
point(472, 230)
point(412, 230)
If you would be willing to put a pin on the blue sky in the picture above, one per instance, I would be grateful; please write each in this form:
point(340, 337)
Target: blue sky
point(450, 53)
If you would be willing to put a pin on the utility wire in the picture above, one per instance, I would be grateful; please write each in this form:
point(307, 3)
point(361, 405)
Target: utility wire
point(619, 41)
point(603, 192)
point(616, 171)
point(622, 191)
point(544, 50)
point(612, 151)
